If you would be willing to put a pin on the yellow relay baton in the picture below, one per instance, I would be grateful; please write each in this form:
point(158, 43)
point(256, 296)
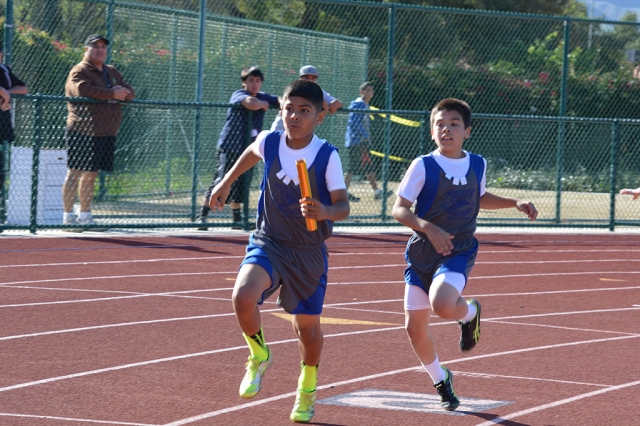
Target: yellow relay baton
point(305, 189)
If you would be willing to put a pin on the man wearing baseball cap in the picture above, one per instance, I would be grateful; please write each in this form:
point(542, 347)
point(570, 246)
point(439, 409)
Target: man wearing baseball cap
point(91, 127)
point(331, 104)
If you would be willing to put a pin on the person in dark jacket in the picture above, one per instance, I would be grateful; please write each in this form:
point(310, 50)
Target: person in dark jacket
point(9, 85)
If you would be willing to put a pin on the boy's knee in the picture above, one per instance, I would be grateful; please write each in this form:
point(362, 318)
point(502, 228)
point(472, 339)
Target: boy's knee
point(443, 309)
point(242, 297)
point(308, 331)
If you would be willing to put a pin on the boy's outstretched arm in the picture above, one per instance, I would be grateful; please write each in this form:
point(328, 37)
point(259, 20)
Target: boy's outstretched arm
point(338, 210)
point(633, 192)
point(249, 158)
point(491, 201)
point(439, 238)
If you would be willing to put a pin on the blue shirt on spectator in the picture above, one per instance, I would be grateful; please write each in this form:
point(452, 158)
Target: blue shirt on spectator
point(234, 131)
point(358, 124)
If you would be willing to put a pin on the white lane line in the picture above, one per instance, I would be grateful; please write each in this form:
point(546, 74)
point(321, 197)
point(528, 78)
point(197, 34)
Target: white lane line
point(130, 295)
point(125, 324)
point(400, 254)
point(552, 262)
point(198, 354)
point(109, 422)
point(63, 302)
point(173, 358)
point(118, 277)
point(538, 379)
point(112, 277)
point(563, 328)
point(198, 317)
point(91, 290)
point(117, 262)
point(580, 290)
point(556, 274)
point(557, 403)
point(516, 251)
point(388, 373)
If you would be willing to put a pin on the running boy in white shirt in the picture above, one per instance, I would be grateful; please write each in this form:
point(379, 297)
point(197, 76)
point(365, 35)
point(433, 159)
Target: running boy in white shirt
point(448, 187)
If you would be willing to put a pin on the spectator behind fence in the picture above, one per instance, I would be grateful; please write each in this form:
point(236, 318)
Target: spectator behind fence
point(9, 85)
point(91, 127)
point(331, 104)
point(358, 143)
point(232, 141)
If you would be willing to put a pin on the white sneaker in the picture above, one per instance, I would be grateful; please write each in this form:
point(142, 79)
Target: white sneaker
point(69, 219)
point(85, 219)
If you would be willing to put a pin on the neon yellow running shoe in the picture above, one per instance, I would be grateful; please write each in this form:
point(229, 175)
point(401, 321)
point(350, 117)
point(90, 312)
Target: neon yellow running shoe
point(304, 408)
point(252, 380)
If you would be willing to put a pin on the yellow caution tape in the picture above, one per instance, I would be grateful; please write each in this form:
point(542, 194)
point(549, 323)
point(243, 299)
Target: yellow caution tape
point(397, 119)
point(391, 157)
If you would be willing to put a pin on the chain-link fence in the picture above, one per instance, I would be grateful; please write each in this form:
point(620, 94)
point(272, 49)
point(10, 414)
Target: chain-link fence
point(555, 100)
point(569, 167)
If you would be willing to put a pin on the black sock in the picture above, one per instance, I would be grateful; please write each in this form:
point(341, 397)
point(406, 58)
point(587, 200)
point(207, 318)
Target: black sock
point(237, 217)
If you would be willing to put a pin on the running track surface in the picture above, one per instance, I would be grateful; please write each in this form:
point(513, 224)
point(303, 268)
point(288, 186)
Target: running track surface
point(130, 330)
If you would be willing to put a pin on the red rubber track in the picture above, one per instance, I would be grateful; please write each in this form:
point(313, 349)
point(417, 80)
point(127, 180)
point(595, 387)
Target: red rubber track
point(140, 330)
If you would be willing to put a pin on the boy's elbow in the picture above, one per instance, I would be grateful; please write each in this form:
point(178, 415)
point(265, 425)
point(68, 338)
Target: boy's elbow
point(395, 214)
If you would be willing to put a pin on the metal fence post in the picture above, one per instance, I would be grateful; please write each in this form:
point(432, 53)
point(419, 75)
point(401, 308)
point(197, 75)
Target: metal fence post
point(8, 33)
point(387, 143)
point(5, 172)
point(613, 171)
point(198, 124)
point(35, 167)
point(102, 175)
point(168, 150)
point(562, 124)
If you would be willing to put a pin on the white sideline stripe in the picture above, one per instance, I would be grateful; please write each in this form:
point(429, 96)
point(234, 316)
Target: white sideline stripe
point(180, 259)
point(378, 375)
point(557, 403)
point(109, 422)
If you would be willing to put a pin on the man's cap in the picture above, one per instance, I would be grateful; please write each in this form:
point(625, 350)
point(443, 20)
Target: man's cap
point(95, 37)
point(308, 70)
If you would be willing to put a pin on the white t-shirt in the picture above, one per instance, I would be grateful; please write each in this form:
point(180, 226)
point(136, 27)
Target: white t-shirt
point(288, 157)
point(454, 168)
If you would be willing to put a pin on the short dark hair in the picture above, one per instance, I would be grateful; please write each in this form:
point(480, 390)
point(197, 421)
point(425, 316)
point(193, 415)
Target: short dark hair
point(364, 86)
point(308, 90)
point(248, 71)
point(453, 104)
